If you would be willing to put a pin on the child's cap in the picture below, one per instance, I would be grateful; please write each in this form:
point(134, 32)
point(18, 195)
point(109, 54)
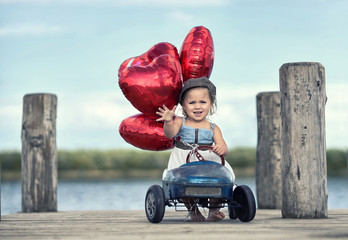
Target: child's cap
point(197, 82)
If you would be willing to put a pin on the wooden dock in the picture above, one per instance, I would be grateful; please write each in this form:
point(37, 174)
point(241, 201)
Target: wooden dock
point(268, 224)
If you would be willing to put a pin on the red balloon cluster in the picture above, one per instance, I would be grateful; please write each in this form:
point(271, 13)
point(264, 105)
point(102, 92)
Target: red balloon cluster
point(155, 78)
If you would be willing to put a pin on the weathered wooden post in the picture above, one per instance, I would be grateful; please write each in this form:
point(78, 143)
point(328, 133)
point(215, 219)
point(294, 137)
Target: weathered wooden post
point(39, 154)
point(268, 155)
point(0, 190)
point(347, 163)
point(304, 172)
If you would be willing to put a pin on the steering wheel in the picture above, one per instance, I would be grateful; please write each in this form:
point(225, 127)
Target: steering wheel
point(200, 157)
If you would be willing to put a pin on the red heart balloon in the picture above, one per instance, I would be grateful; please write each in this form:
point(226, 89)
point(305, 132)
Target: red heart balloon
point(197, 54)
point(149, 87)
point(150, 55)
point(144, 132)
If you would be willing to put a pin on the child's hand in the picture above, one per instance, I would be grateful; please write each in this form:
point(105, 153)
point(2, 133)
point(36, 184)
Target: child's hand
point(165, 113)
point(219, 149)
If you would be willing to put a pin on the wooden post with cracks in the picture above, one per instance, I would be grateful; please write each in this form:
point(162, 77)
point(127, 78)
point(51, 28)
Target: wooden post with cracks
point(39, 153)
point(268, 154)
point(0, 190)
point(304, 170)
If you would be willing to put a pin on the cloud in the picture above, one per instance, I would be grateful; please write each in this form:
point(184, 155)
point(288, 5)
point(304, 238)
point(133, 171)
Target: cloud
point(180, 16)
point(178, 3)
point(161, 3)
point(237, 118)
point(8, 114)
point(336, 115)
point(91, 119)
point(31, 30)
point(93, 110)
point(27, 1)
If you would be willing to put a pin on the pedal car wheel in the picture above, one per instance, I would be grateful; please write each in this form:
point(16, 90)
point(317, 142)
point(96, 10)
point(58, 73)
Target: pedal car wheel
point(232, 213)
point(155, 204)
point(245, 198)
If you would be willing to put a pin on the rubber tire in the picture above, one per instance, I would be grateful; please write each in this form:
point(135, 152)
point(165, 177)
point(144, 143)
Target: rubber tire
point(245, 197)
point(155, 204)
point(232, 213)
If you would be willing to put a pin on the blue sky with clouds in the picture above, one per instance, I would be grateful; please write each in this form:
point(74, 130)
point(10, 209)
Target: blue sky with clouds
point(74, 48)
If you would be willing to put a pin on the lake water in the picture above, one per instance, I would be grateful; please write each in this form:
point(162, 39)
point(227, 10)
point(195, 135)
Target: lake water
point(128, 194)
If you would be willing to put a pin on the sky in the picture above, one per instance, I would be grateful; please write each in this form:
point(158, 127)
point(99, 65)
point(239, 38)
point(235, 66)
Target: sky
point(73, 48)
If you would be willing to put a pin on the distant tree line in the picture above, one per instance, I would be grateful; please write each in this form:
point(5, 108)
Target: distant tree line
point(242, 159)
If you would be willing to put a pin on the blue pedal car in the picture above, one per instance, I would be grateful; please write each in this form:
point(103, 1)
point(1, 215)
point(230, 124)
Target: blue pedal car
point(200, 181)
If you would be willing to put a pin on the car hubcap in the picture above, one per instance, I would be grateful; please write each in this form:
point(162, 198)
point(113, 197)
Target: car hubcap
point(150, 204)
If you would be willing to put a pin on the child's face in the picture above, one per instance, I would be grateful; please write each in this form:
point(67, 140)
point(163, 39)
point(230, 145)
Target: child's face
point(197, 104)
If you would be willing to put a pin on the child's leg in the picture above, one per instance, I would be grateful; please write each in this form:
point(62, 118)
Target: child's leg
point(195, 214)
point(214, 210)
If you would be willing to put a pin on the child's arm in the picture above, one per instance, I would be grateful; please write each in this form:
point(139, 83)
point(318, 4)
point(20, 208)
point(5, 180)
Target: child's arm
point(220, 147)
point(171, 125)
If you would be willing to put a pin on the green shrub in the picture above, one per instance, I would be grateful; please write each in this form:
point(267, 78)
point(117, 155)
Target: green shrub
point(242, 157)
point(10, 160)
point(336, 162)
point(125, 160)
point(111, 159)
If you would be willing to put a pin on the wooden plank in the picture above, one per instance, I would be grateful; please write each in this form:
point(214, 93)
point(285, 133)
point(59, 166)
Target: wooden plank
point(268, 224)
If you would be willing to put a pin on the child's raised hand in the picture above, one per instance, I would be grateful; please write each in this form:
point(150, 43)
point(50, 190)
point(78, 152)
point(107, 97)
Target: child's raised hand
point(165, 113)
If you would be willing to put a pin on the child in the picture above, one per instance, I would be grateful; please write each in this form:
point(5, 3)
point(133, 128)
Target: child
point(198, 100)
